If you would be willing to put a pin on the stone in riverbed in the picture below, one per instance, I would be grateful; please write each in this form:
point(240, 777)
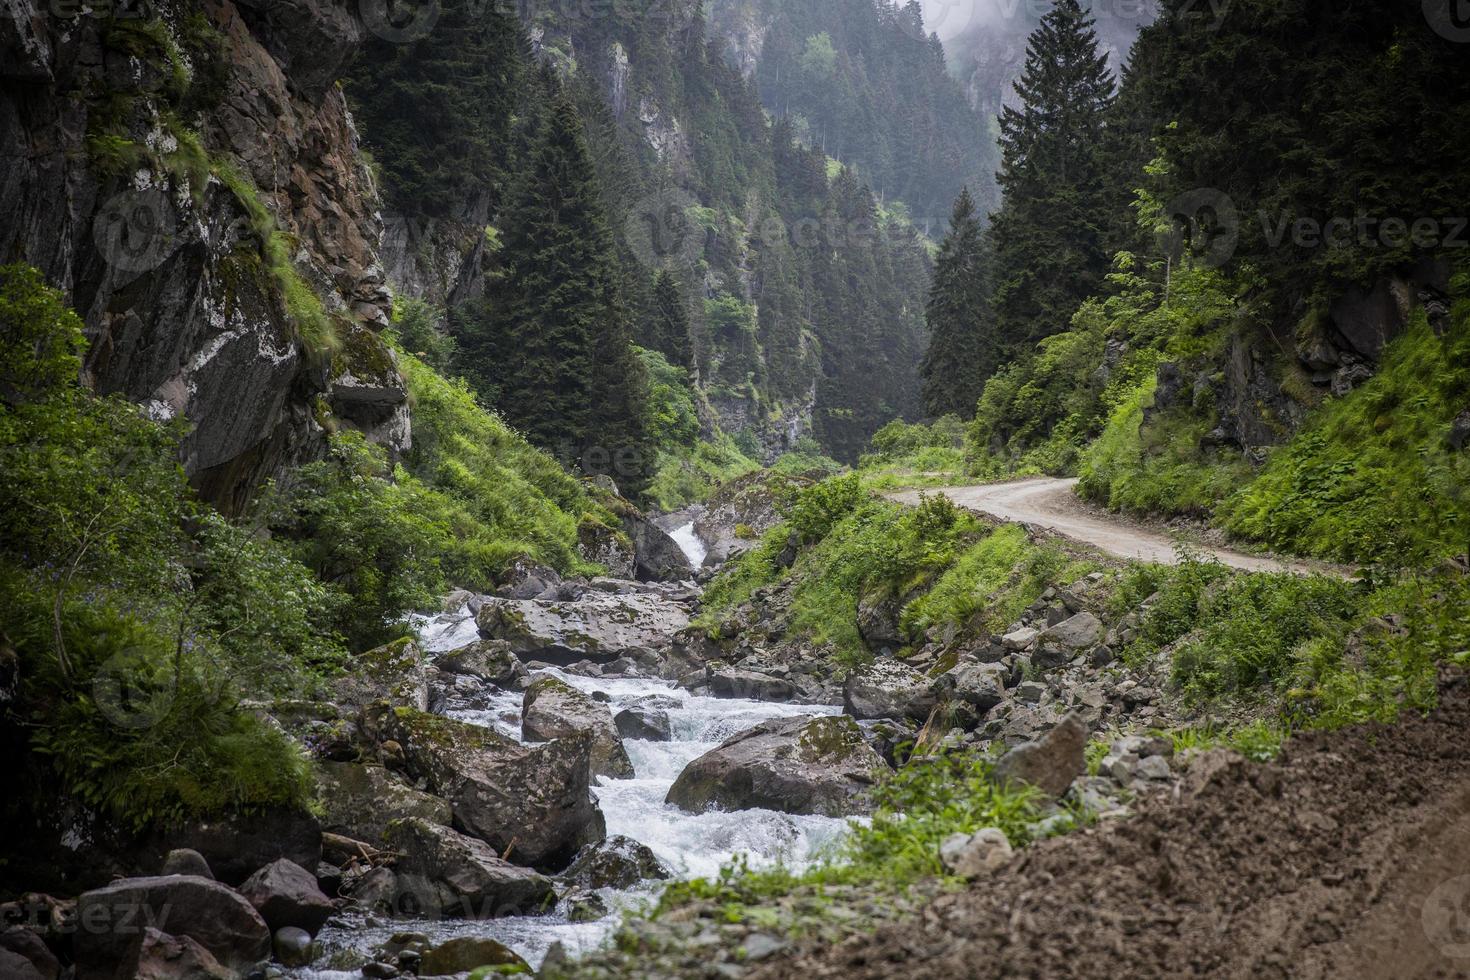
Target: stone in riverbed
point(292, 946)
point(794, 765)
point(618, 862)
point(596, 626)
point(446, 873)
point(159, 956)
point(751, 685)
point(286, 894)
point(644, 722)
point(553, 709)
point(216, 918)
point(465, 954)
point(186, 861)
point(489, 660)
point(394, 672)
point(532, 801)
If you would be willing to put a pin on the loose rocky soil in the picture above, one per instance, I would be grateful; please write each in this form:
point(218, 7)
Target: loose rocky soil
point(1347, 857)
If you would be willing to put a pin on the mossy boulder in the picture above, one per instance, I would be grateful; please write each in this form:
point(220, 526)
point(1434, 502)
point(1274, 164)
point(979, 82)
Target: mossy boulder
point(359, 801)
point(394, 672)
point(793, 765)
point(598, 626)
point(530, 802)
point(444, 872)
point(467, 953)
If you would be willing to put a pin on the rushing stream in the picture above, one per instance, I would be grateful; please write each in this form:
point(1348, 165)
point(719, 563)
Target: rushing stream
point(693, 846)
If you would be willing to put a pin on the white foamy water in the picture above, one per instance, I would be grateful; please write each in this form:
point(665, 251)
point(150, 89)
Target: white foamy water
point(691, 845)
point(694, 549)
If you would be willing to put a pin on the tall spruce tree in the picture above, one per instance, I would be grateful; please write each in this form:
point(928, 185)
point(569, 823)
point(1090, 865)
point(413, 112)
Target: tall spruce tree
point(554, 353)
point(668, 323)
point(962, 350)
point(1049, 247)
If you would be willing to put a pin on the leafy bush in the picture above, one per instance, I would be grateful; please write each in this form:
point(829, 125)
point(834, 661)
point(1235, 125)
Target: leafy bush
point(689, 476)
point(820, 506)
point(419, 329)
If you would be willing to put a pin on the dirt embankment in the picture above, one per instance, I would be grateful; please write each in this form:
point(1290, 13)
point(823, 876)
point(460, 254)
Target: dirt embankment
point(1347, 858)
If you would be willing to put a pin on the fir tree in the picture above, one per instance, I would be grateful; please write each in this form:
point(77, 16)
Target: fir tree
point(553, 352)
point(1048, 236)
point(962, 351)
point(668, 328)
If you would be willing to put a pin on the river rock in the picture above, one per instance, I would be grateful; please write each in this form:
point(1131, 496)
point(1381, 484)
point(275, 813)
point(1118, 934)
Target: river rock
point(186, 861)
point(528, 580)
point(645, 722)
point(465, 954)
point(534, 802)
point(14, 966)
point(617, 862)
point(597, 626)
point(553, 709)
point(793, 765)
point(444, 872)
point(657, 557)
point(292, 946)
point(159, 956)
point(359, 801)
point(286, 894)
point(888, 689)
point(489, 660)
point(981, 686)
point(1049, 763)
point(586, 907)
point(394, 672)
point(750, 685)
point(218, 919)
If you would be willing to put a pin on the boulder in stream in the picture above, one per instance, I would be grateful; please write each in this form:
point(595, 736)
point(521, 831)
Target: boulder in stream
point(598, 626)
point(394, 672)
point(466, 954)
point(644, 721)
point(444, 872)
point(489, 660)
point(532, 803)
point(795, 765)
point(554, 709)
point(617, 862)
point(657, 557)
point(286, 894)
point(359, 801)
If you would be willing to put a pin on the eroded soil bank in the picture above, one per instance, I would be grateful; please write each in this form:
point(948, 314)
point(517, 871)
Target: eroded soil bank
point(1347, 857)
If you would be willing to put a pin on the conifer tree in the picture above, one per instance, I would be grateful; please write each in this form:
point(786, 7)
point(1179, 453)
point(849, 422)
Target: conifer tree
point(553, 353)
point(962, 350)
point(668, 330)
point(1049, 249)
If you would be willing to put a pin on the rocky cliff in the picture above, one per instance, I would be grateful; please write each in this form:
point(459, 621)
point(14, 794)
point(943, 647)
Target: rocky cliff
point(188, 174)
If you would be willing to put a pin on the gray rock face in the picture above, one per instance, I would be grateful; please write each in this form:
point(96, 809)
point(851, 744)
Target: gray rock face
point(877, 621)
point(359, 801)
point(749, 684)
point(218, 919)
point(793, 765)
point(554, 709)
point(395, 672)
point(888, 689)
point(596, 626)
point(618, 862)
point(444, 872)
point(530, 802)
point(489, 660)
point(981, 686)
point(1049, 763)
point(657, 557)
point(286, 894)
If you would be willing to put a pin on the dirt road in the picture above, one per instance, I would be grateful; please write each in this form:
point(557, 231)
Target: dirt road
point(1347, 858)
point(1053, 504)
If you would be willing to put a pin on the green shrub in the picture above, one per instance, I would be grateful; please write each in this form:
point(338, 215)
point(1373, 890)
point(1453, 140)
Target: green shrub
point(419, 329)
point(820, 506)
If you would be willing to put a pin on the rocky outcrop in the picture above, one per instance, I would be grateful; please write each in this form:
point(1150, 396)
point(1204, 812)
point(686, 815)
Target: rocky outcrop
point(219, 920)
point(553, 709)
point(646, 719)
point(532, 804)
point(444, 872)
point(740, 511)
point(596, 626)
point(182, 295)
point(793, 765)
point(657, 557)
